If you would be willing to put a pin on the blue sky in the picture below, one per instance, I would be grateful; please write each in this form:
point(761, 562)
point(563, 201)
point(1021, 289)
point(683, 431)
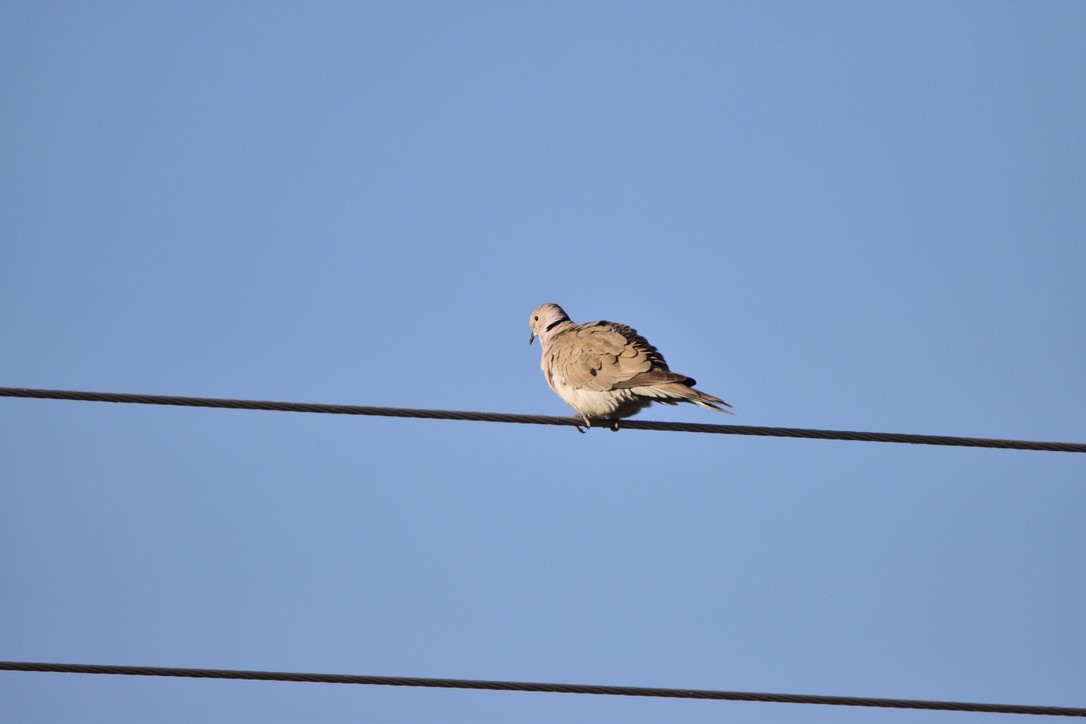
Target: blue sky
point(865, 216)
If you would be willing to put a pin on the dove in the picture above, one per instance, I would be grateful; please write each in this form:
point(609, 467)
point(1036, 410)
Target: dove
point(606, 370)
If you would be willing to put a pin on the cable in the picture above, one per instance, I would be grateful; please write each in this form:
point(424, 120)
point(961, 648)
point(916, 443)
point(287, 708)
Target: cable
point(539, 419)
point(536, 687)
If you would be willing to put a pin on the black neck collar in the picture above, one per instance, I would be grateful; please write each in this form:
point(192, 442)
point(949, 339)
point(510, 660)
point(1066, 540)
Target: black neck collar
point(554, 324)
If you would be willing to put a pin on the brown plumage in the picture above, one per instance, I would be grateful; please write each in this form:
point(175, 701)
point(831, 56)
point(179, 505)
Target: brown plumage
point(606, 370)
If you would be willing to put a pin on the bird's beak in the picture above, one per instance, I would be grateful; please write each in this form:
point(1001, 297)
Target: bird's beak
point(531, 338)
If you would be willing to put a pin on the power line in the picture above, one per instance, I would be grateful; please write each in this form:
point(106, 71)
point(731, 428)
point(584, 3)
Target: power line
point(537, 687)
point(539, 419)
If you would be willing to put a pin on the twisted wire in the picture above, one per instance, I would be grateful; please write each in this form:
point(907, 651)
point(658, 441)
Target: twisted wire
point(791, 432)
point(539, 687)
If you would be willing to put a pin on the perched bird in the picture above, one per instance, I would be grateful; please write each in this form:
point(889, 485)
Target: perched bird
point(606, 370)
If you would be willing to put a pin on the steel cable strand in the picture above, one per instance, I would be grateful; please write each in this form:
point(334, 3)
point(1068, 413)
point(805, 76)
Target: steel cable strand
point(705, 694)
point(211, 402)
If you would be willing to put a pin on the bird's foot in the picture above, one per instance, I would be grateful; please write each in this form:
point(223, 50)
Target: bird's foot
point(611, 424)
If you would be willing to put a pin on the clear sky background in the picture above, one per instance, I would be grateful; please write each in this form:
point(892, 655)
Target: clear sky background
point(863, 216)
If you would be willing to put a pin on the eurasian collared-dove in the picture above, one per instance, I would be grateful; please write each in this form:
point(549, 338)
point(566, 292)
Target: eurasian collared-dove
point(606, 370)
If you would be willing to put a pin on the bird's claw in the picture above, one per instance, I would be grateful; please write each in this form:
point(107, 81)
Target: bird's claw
point(612, 424)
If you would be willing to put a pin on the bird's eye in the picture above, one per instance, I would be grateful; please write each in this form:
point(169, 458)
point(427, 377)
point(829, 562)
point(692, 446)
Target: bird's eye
point(537, 319)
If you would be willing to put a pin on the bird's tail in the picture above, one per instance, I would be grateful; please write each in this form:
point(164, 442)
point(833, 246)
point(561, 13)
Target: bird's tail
point(671, 393)
point(701, 399)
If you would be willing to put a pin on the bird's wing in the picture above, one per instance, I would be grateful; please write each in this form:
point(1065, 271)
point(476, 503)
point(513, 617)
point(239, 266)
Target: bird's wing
point(604, 356)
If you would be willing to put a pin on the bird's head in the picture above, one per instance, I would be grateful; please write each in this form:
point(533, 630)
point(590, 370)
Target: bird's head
point(544, 318)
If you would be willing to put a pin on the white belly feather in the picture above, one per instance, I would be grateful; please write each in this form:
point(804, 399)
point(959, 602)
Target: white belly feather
point(602, 404)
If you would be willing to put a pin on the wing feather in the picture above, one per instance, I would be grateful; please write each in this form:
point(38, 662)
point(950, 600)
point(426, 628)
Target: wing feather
point(603, 356)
